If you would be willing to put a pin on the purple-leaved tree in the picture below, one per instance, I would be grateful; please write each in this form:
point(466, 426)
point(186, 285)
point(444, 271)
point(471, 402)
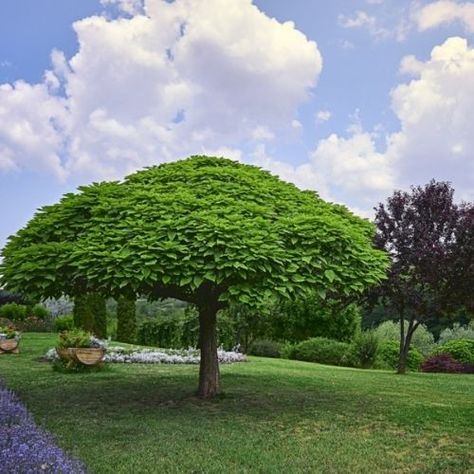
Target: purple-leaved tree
point(430, 240)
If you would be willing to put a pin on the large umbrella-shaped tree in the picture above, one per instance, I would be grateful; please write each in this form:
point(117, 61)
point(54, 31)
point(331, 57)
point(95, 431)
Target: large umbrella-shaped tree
point(203, 230)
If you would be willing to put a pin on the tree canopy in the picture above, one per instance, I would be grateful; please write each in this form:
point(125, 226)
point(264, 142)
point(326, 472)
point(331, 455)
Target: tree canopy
point(204, 230)
point(430, 240)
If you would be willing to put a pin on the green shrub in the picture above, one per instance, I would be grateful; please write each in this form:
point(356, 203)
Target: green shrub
point(461, 350)
point(364, 349)
point(90, 314)
point(159, 333)
point(388, 356)
point(32, 324)
point(457, 332)
point(112, 328)
point(74, 338)
point(13, 311)
point(322, 350)
point(286, 349)
point(308, 317)
point(64, 323)
point(98, 309)
point(126, 320)
point(40, 312)
point(422, 339)
point(190, 328)
point(265, 348)
point(9, 332)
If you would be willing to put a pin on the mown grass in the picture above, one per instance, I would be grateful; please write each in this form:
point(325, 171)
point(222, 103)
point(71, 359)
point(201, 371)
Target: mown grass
point(277, 416)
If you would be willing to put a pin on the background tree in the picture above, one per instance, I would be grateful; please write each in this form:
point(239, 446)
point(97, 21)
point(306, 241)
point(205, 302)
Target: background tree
point(7, 297)
point(312, 317)
point(427, 237)
point(461, 269)
point(204, 230)
point(90, 313)
point(126, 319)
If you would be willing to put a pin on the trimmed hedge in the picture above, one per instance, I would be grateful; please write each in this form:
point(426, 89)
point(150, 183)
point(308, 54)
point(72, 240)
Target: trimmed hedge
point(265, 348)
point(388, 356)
point(323, 351)
point(461, 350)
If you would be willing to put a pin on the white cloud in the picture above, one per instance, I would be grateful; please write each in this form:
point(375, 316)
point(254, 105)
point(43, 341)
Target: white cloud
point(436, 111)
point(130, 7)
point(363, 20)
point(31, 130)
point(410, 65)
point(352, 168)
point(445, 12)
point(323, 116)
point(435, 140)
point(304, 175)
point(183, 77)
point(262, 133)
point(224, 151)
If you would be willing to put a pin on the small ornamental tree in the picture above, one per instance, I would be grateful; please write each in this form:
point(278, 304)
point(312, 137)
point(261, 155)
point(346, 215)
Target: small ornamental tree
point(204, 230)
point(430, 241)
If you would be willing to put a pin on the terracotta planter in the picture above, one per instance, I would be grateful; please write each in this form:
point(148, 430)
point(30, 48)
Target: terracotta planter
point(9, 346)
point(84, 355)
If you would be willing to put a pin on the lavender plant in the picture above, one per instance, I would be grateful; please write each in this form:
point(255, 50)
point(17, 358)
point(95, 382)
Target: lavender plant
point(24, 448)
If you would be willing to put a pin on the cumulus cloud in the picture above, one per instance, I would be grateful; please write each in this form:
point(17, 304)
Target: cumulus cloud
point(32, 125)
point(444, 12)
point(436, 111)
point(435, 140)
point(183, 76)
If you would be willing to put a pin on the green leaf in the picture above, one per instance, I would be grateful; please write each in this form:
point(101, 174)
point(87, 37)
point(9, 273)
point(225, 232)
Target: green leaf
point(321, 293)
point(330, 275)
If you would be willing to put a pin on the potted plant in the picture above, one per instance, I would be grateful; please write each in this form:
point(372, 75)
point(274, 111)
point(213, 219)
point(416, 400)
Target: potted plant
point(9, 340)
point(80, 347)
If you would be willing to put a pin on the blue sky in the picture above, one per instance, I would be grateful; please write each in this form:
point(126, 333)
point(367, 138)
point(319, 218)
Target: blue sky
point(352, 99)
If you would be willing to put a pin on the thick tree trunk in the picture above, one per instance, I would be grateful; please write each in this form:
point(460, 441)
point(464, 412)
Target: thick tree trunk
point(209, 377)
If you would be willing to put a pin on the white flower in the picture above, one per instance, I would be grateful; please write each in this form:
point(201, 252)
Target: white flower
point(133, 355)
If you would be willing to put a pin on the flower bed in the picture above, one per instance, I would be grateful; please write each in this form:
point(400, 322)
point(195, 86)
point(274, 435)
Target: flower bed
point(121, 355)
point(24, 448)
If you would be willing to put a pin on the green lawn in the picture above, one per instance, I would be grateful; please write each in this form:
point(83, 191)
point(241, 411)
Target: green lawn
point(276, 416)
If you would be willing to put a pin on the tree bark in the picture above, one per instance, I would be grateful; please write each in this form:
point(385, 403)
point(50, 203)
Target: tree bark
point(401, 358)
point(405, 346)
point(209, 377)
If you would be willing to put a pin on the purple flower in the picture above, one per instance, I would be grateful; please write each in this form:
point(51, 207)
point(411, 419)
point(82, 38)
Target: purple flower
point(26, 449)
